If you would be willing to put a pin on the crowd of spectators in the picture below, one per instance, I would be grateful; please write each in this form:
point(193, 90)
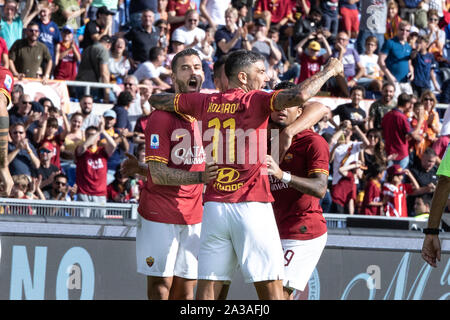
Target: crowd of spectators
point(383, 159)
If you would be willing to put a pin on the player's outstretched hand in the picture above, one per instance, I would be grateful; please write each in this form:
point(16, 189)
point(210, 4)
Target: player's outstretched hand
point(273, 168)
point(210, 173)
point(130, 166)
point(431, 249)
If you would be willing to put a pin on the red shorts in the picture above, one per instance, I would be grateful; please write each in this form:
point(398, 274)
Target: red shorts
point(350, 19)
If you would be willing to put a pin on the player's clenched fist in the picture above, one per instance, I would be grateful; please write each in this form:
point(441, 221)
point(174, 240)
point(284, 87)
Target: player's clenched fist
point(210, 172)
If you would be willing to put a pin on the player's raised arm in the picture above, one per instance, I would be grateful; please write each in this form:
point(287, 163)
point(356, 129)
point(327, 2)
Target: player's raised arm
point(163, 101)
point(307, 89)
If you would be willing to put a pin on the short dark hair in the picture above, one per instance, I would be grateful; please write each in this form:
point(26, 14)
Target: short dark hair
point(403, 99)
point(430, 152)
point(360, 88)
point(183, 53)
point(61, 175)
point(124, 98)
point(106, 39)
point(284, 85)
point(92, 128)
point(154, 53)
point(218, 64)
point(239, 60)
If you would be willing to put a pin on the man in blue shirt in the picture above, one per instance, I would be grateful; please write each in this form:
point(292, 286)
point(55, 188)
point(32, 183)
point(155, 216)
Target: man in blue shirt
point(395, 59)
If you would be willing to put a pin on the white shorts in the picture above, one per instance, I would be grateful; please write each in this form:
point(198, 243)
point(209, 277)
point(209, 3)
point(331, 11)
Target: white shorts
point(167, 250)
point(300, 260)
point(240, 234)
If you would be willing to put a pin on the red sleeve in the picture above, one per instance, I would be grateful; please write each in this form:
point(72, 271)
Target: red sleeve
point(3, 46)
point(318, 155)
point(408, 188)
point(158, 137)
point(190, 105)
point(171, 5)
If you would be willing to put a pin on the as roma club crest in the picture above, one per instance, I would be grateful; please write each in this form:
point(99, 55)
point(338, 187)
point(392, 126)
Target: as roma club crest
point(150, 261)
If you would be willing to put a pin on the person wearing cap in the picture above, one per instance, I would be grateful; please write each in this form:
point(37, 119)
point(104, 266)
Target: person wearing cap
point(143, 38)
point(94, 65)
point(67, 56)
point(96, 5)
point(395, 191)
point(311, 60)
point(47, 170)
point(96, 29)
point(119, 137)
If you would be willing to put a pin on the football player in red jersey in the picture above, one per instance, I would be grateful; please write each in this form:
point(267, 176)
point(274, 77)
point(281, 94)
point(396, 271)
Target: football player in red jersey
point(297, 186)
point(6, 86)
point(238, 224)
point(170, 207)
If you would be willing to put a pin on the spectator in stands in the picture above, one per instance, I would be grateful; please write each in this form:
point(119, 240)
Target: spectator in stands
point(395, 191)
point(153, 69)
point(67, 56)
point(213, 11)
point(119, 190)
point(424, 171)
point(89, 118)
point(349, 12)
point(424, 64)
point(397, 130)
point(352, 111)
point(60, 189)
point(73, 137)
point(22, 156)
point(242, 8)
point(28, 113)
point(138, 7)
point(372, 79)
point(122, 122)
point(120, 138)
point(49, 32)
point(422, 206)
point(91, 170)
point(13, 23)
point(374, 153)
point(164, 35)
point(395, 60)
point(189, 33)
point(372, 23)
point(230, 37)
point(417, 147)
point(16, 93)
point(431, 116)
point(345, 151)
point(25, 188)
point(435, 35)
point(140, 105)
point(162, 13)
point(29, 57)
point(47, 171)
point(96, 29)
point(392, 21)
point(380, 107)
point(343, 193)
point(274, 13)
point(330, 16)
point(118, 64)
point(353, 69)
point(372, 202)
point(142, 39)
point(263, 44)
point(94, 65)
point(178, 10)
point(70, 12)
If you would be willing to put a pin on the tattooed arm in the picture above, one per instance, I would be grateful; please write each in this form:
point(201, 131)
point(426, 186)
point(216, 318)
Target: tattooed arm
point(5, 176)
point(163, 101)
point(307, 89)
point(163, 175)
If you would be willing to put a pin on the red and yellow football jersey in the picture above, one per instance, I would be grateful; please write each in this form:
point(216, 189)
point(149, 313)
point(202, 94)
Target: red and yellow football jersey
point(234, 134)
point(176, 142)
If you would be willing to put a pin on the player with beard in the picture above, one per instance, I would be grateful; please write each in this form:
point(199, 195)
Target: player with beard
point(170, 207)
point(238, 225)
point(297, 186)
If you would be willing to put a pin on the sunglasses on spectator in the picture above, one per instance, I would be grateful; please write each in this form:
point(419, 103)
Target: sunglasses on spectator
point(405, 30)
point(33, 30)
point(60, 183)
point(27, 102)
point(428, 99)
point(128, 84)
point(433, 19)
